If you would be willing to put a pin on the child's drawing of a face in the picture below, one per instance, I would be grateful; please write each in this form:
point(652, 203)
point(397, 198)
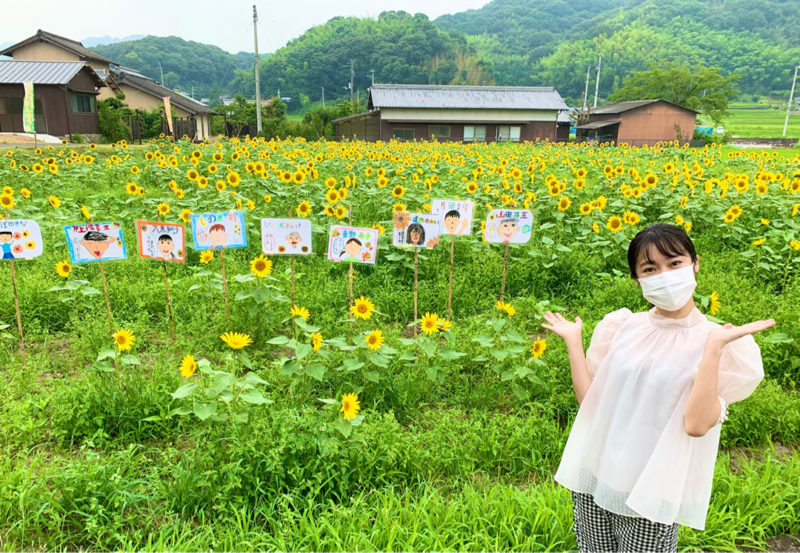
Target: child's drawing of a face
point(293, 239)
point(352, 248)
point(451, 222)
point(165, 245)
point(5, 237)
point(96, 243)
point(217, 236)
point(508, 228)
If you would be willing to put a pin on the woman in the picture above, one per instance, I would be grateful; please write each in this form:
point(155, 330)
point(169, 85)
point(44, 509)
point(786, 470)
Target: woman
point(653, 389)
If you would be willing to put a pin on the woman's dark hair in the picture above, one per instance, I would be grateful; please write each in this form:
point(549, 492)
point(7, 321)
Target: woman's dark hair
point(415, 227)
point(356, 240)
point(670, 240)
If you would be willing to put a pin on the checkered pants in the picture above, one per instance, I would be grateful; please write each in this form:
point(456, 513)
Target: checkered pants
point(601, 530)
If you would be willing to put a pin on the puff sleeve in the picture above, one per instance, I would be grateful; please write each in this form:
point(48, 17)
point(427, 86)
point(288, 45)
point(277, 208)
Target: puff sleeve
point(601, 337)
point(740, 369)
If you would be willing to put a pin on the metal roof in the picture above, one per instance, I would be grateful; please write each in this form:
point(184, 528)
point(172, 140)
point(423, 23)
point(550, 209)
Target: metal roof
point(63, 42)
point(42, 72)
point(619, 107)
point(130, 77)
point(464, 97)
point(599, 124)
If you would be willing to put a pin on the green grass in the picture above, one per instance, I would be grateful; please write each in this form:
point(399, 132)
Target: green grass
point(761, 123)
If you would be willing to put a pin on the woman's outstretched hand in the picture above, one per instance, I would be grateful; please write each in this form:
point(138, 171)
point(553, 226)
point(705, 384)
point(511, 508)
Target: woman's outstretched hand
point(727, 333)
point(569, 331)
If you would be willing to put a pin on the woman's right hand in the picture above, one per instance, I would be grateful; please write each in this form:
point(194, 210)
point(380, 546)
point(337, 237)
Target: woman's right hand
point(569, 331)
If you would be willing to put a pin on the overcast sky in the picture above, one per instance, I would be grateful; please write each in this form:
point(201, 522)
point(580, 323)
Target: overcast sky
point(224, 23)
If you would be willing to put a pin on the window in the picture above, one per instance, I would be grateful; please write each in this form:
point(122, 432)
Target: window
point(474, 133)
point(403, 134)
point(442, 131)
point(506, 133)
point(83, 103)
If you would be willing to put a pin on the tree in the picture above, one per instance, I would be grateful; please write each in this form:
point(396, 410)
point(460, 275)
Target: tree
point(111, 114)
point(699, 88)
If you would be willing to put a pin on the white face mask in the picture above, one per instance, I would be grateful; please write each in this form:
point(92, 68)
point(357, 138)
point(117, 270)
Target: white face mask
point(669, 290)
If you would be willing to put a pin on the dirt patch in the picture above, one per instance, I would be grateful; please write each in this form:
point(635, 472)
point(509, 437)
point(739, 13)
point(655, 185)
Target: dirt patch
point(741, 455)
point(786, 543)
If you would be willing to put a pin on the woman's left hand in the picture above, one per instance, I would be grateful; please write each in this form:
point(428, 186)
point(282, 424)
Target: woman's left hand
point(723, 335)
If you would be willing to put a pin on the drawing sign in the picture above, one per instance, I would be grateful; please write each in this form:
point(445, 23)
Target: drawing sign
point(218, 230)
point(418, 230)
point(161, 241)
point(455, 215)
point(96, 242)
point(508, 226)
point(353, 244)
point(286, 236)
point(20, 239)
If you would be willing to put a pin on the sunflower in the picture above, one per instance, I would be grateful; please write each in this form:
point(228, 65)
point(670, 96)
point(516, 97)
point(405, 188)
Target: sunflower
point(236, 340)
point(54, 201)
point(795, 245)
point(350, 406)
point(760, 241)
point(134, 170)
point(234, 179)
point(304, 209)
point(188, 366)
point(595, 228)
point(206, 256)
point(185, 215)
point(586, 208)
point(163, 208)
point(713, 300)
point(362, 308)
point(614, 223)
point(63, 268)
point(374, 340)
point(332, 195)
point(398, 191)
point(472, 187)
point(25, 193)
point(729, 217)
point(507, 307)
point(261, 266)
point(85, 212)
point(340, 212)
point(38, 167)
point(444, 324)
point(286, 176)
point(563, 203)
point(267, 198)
point(299, 177)
point(631, 217)
point(538, 347)
point(131, 188)
point(123, 339)
point(316, 341)
point(398, 207)
point(379, 228)
point(430, 323)
point(330, 211)
point(7, 201)
point(298, 311)
point(192, 174)
point(330, 182)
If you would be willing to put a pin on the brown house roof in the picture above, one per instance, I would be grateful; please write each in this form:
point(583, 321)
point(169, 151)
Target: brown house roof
point(62, 42)
point(599, 124)
point(130, 77)
point(619, 107)
point(44, 72)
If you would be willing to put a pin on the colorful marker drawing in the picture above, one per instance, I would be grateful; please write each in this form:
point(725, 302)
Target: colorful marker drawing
point(508, 226)
point(455, 215)
point(286, 236)
point(96, 242)
point(20, 239)
point(161, 241)
point(218, 230)
point(352, 244)
point(415, 230)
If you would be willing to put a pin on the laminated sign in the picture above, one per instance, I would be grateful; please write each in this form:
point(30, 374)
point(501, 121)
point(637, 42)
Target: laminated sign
point(96, 242)
point(20, 239)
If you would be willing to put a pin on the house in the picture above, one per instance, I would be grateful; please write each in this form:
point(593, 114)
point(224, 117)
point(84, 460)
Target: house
point(44, 46)
point(455, 113)
point(189, 116)
point(638, 123)
point(65, 96)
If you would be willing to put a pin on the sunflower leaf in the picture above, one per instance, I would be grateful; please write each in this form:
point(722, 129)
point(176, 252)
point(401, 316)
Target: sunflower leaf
point(185, 390)
point(204, 410)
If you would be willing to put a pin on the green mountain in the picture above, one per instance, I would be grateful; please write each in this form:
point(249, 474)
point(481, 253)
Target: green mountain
point(186, 64)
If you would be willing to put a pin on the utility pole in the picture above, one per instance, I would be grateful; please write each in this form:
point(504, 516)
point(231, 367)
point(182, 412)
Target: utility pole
point(597, 83)
point(791, 97)
point(162, 73)
point(586, 88)
point(351, 79)
point(258, 88)
point(372, 71)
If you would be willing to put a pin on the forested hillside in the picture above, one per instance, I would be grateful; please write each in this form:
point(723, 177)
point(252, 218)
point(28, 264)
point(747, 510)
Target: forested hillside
point(186, 64)
point(506, 42)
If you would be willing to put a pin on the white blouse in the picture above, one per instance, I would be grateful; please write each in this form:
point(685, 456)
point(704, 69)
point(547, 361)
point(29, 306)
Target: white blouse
point(628, 447)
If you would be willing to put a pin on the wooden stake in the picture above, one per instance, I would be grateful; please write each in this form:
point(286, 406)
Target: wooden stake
point(505, 267)
point(450, 285)
point(169, 301)
point(291, 262)
point(350, 270)
point(224, 285)
point(416, 283)
point(105, 293)
point(19, 315)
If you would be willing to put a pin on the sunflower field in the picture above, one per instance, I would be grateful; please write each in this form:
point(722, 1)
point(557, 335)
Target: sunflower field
point(285, 403)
